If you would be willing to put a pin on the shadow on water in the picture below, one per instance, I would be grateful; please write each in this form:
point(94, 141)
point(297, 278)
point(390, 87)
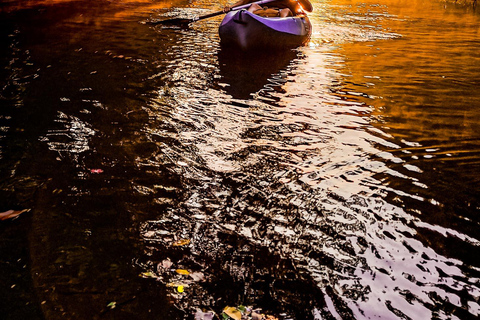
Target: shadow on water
point(248, 72)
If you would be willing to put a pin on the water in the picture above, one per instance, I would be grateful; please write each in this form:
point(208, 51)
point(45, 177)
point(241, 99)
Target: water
point(335, 181)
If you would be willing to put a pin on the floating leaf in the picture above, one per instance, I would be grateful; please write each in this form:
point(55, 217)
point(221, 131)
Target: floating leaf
point(233, 313)
point(176, 285)
point(10, 214)
point(182, 242)
point(148, 274)
point(182, 271)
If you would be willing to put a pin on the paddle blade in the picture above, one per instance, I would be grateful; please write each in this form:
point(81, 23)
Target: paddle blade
point(175, 21)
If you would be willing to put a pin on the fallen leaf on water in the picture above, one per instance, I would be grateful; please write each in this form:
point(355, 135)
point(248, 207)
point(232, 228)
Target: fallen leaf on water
point(182, 271)
point(148, 274)
point(176, 285)
point(182, 242)
point(233, 313)
point(10, 214)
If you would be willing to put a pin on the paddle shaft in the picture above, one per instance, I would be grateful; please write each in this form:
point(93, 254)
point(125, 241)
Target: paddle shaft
point(180, 21)
point(244, 6)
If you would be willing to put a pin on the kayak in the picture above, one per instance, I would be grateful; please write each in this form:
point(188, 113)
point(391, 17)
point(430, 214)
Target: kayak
point(245, 30)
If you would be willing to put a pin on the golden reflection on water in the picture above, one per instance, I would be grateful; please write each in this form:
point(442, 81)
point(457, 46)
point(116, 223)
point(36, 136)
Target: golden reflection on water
point(418, 77)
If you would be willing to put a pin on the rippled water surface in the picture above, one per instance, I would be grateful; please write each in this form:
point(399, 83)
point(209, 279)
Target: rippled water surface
point(336, 181)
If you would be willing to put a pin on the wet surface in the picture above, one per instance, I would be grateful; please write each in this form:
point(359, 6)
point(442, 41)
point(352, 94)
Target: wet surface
point(166, 174)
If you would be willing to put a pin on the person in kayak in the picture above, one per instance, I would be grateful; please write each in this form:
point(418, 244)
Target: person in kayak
point(280, 8)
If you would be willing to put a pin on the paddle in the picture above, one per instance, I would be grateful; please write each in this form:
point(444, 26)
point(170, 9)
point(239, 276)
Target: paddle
point(180, 21)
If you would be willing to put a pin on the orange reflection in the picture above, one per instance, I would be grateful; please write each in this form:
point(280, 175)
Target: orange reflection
point(425, 77)
point(413, 59)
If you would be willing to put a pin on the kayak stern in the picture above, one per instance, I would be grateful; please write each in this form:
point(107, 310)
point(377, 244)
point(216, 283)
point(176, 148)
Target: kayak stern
point(247, 31)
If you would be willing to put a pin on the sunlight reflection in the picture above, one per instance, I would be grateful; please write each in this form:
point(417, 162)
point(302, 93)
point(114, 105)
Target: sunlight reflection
point(72, 139)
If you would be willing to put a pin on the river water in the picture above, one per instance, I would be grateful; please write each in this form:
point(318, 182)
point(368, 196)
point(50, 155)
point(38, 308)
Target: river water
point(339, 180)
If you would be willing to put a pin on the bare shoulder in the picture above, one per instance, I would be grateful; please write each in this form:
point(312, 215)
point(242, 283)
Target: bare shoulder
point(306, 5)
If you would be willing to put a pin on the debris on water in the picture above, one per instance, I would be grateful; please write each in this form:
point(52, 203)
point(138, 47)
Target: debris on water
point(244, 313)
point(165, 264)
point(233, 313)
point(148, 274)
point(182, 242)
point(180, 287)
point(200, 315)
point(12, 214)
point(197, 276)
point(182, 271)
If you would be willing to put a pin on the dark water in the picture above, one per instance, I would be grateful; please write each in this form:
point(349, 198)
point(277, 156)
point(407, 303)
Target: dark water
point(336, 181)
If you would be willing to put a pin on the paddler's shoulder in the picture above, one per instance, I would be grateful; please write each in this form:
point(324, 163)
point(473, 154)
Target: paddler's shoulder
point(306, 5)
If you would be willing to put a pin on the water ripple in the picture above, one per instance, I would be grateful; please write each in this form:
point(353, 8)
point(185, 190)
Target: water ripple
point(301, 173)
point(337, 180)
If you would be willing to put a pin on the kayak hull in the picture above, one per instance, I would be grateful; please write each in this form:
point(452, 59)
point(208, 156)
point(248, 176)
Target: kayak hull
point(247, 31)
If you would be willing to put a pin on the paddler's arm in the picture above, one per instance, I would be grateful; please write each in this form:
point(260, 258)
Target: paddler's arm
point(236, 4)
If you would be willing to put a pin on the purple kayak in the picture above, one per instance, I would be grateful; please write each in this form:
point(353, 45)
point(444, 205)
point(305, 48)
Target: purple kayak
point(247, 31)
